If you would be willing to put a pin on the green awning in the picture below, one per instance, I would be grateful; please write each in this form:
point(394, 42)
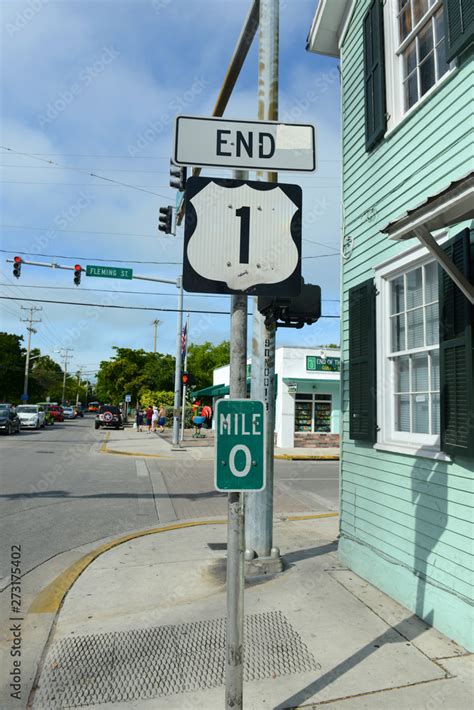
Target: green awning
point(212, 391)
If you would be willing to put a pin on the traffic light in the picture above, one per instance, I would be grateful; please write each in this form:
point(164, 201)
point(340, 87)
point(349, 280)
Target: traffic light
point(17, 262)
point(294, 312)
point(166, 219)
point(178, 175)
point(187, 379)
point(77, 274)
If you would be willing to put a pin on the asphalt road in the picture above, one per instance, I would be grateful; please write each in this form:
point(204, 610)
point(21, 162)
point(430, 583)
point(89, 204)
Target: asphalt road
point(59, 492)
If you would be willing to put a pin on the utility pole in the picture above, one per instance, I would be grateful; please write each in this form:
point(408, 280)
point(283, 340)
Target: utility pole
point(177, 371)
point(64, 354)
point(30, 330)
point(236, 513)
point(185, 365)
point(259, 505)
point(78, 383)
point(155, 323)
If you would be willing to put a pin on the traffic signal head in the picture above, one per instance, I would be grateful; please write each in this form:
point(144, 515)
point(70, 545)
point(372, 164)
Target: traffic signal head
point(294, 312)
point(17, 262)
point(166, 219)
point(77, 274)
point(178, 176)
point(187, 379)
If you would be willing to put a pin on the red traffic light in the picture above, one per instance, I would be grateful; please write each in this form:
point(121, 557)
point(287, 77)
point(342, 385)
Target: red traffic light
point(77, 274)
point(17, 259)
point(17, 262)
point(77, 267)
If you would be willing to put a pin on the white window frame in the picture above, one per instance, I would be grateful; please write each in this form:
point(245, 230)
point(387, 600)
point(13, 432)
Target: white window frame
point(387, 437)
point(394, 67)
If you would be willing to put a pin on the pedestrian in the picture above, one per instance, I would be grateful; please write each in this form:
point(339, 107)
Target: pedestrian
point(162, 418)
point(149, 415)
point(139, 419)
point(154, 418)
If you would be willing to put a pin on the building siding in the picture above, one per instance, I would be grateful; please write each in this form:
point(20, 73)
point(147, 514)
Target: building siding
point(406, 521)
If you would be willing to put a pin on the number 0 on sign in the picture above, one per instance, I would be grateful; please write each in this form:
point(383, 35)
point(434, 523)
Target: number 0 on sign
point(240, 445)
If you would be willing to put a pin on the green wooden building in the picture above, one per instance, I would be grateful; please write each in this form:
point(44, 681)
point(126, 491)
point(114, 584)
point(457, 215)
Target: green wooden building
point(407, 465)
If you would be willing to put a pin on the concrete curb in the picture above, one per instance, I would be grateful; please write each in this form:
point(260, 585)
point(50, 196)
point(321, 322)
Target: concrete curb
point(50, 599)
point(104, 449)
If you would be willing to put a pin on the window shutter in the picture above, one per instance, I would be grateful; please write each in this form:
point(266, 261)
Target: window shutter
point(374, 75)
point(459, 26)
point(456, 341)
point(362, 383)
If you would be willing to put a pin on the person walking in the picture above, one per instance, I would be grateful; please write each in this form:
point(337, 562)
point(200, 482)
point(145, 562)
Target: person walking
point(139, 419)
point(149, 415)
point(161, 419)
point(154, 418)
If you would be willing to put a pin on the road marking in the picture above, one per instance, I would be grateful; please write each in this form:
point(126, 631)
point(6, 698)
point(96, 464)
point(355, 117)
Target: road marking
point(49, 600)
point(143, 490)
point(164, 507)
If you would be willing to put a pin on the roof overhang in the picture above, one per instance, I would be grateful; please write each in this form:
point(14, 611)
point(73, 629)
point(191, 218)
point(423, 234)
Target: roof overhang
point(454, 204)
point(328, 26)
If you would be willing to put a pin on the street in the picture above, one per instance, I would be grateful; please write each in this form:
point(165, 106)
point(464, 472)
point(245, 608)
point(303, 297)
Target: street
point(59, 492)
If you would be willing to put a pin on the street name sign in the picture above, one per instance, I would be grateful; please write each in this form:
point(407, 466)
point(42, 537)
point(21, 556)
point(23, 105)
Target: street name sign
point(245, 145)
point(240, 445)
point(242, 237)
point(109, 272)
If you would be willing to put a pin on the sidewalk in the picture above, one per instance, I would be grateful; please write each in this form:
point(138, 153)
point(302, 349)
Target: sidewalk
point(130, 442)
point(143, 627)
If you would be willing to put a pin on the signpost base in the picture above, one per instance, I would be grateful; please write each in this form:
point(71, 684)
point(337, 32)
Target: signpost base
point(263, 566)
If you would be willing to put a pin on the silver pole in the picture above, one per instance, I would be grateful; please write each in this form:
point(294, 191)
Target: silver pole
point(177, 371)
point(181, 436)
point(30, 330)
point(259, 506)
point(235, 510)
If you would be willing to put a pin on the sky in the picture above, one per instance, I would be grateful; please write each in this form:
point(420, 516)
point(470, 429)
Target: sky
point(94, 86)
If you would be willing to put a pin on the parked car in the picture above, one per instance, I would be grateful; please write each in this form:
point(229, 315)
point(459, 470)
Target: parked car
point(9, 420)
point(31, 416)
point(108, 416)
point(69, 413)
point(57, 412)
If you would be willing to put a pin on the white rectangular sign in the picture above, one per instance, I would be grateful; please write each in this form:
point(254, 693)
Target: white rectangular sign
point(246, 145)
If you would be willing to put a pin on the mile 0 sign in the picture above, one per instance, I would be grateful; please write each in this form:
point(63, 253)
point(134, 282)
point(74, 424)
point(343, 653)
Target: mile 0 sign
point(242, 237)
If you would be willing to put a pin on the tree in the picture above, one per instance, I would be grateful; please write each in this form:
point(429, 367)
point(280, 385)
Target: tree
point(130, 371)
point(12, 357)
point(203, 359)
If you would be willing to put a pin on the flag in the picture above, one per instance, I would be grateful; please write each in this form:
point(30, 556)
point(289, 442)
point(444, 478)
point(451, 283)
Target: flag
point(184, 337)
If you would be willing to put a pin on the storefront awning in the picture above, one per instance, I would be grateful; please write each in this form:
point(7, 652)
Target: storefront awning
point(212, 391)
point(452, 205)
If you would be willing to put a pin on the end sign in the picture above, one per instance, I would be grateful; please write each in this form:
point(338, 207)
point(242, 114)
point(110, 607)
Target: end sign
point(240, 445)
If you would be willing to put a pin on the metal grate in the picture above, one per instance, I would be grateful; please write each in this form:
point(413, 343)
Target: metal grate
point(165, 660)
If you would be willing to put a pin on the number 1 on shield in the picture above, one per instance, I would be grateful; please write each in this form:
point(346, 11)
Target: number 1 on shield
point(244, 214)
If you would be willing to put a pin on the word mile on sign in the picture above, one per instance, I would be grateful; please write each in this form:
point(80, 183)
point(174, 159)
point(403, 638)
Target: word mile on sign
point(242, 236)
point(240, 445)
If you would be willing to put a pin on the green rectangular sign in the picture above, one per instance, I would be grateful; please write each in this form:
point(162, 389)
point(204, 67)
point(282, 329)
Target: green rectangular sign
point(323, 364)
point(240, 445)
point(109, 272)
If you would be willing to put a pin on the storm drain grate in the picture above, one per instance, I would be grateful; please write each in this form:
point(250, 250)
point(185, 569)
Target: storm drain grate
point(165, 660)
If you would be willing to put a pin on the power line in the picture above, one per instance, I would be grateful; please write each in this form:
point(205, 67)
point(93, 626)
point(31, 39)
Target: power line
point(130, 308)
point(94, 186)
point(89, 258)
point(132, 157)
point(141, 293)
point(79, 231)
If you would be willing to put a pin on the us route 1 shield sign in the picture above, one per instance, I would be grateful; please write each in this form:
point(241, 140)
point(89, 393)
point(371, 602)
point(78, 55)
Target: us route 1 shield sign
point(242, 236)
point(240, 445)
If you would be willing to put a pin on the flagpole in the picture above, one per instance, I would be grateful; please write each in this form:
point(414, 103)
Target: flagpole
point(183, 400)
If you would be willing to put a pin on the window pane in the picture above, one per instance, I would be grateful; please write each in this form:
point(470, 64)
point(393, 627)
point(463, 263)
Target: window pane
point(427, 74)
point(419, 365)
point(398, 298)
point(402, 374)
point(432, 324)
point(435, 370)
point(443, 65)
point(411, 90)
point(414, 288)
point(405, 23)
point(409, 59)
point(435, 414)
point(431, 282)
point(425, 41)
point(419, 9)
point(402, 412)
point(421, 421)
point(398, 333)
point(439, 26)
point(415, 328)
